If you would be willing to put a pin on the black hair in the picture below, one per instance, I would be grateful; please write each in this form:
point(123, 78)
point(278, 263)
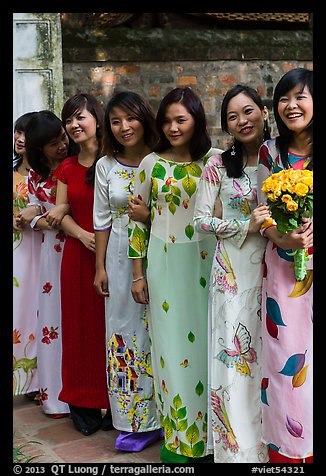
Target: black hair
point(20, 125)
point(234, 163)
point(134, 104)
point(303, 77)
point(42, 128)
point(200, 142)
point(79, 102)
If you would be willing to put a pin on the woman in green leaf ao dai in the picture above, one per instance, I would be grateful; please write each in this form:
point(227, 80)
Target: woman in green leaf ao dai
point(175, 279)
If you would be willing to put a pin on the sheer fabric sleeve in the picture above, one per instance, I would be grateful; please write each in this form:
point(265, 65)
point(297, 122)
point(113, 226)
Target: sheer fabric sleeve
point(102, 216)
point(204, 219)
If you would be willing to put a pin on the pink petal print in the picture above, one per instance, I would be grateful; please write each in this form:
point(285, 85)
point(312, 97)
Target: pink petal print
point(294, 427)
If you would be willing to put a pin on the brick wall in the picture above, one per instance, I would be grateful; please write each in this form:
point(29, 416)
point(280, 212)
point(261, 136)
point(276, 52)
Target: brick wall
point(102, 61)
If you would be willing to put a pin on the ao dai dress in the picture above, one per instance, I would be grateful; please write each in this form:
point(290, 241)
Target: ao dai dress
point(26, 268)
point(234, 329)
point(287, 332)
point(49, 343)
point(179, 262)
point(130, 376)
point(83, 318)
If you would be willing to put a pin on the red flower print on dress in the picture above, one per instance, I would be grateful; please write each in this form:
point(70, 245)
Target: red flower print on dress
point(60, 236)
point(43, 395)
point(49, 335)
point(47, 288)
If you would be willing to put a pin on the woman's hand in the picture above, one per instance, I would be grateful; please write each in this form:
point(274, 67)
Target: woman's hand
point(139, 291)
point(88, 240)
point(258, 216)
point(138, 210)
point(55, 215)
point(300, 238)
point(101, 283)
point(16, 226)
point(25, 216)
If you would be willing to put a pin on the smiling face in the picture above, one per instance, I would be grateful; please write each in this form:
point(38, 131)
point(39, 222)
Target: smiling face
point(179, 125)
point(125, 127)
point(19, 142)
point(245, 120)
point(81, 126)
point(296, 108)
point(57, 149)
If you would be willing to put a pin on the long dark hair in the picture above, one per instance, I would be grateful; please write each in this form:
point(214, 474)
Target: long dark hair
point(132, 103)
point(292, 78)
point(77, 103)
point(234, 163)
point(41, 129)
point(20, 125)
point(200, 142)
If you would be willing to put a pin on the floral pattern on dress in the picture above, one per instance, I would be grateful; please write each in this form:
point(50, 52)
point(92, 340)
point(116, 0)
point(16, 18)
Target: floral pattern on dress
point(287, 335)
point(43, 193)
point(129, 362)
point(26, 258)
point(234, 413)
point(178, 266)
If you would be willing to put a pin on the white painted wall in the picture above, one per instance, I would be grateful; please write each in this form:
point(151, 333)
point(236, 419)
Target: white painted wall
point(37, 63)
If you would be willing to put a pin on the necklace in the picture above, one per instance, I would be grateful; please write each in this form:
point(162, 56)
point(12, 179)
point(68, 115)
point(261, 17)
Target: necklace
point(173, 159)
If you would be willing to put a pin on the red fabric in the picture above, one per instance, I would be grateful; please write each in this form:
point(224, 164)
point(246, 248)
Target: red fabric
point(275, 457)
point(83, 315)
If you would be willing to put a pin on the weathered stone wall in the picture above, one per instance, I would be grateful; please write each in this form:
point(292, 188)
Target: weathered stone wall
point(151, 62)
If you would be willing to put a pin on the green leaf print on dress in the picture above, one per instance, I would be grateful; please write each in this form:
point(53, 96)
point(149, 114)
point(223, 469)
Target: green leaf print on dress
point(158, 171)
point(189, 231)
point(138, 241)
point(189, 184)
point(165, 306)
point(186, 439)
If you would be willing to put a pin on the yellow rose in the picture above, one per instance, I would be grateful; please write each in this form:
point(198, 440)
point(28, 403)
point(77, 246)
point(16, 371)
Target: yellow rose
point(291, 206)
point(307, 181)
point(272, 197)
point(301, 189)
point(286, 198)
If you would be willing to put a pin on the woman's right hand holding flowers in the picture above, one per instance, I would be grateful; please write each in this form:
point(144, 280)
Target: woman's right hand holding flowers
point(260, 214)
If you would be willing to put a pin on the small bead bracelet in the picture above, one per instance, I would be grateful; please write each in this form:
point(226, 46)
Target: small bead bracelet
point(138, 279)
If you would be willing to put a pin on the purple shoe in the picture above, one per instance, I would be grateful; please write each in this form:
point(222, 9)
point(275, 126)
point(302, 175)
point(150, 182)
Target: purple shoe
point(132, 441)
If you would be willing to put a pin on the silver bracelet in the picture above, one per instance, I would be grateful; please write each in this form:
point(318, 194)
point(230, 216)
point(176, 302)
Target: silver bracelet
point(138, 279)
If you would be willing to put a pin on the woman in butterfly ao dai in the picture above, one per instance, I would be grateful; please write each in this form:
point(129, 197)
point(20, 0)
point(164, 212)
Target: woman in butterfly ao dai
point(234, 321)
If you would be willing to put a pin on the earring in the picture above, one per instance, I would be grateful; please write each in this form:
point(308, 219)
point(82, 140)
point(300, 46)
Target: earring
point(233, 149)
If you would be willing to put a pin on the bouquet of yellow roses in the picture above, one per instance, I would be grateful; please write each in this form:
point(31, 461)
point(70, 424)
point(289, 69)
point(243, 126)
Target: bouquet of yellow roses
point(290, 197)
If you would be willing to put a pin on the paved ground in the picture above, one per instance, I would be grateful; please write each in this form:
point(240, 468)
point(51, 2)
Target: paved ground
point(57, 441)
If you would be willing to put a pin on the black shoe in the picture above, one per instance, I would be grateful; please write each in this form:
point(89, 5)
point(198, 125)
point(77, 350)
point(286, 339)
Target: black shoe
point(86, 420)
point(89, 431)
point(107, 424)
